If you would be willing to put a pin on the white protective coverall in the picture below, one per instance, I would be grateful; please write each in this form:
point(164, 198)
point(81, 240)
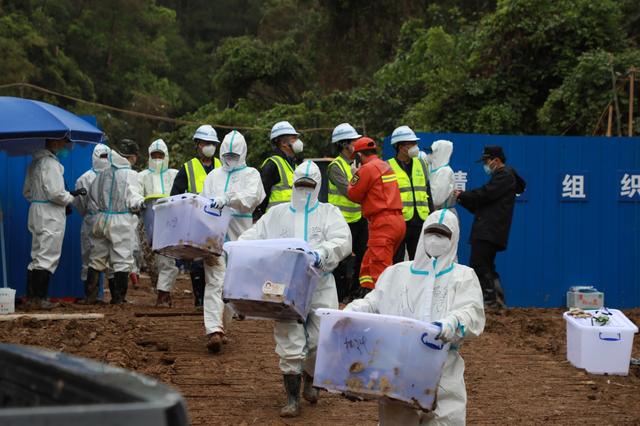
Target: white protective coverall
point(325, 230)
point(44, 189)
point(156, 182)
point(240, 189)
point(432, 289)
point(86, 210)
point(114, 194)
point(441, 174)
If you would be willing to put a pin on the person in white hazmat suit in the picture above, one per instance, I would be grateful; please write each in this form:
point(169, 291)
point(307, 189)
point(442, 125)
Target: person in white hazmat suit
point(441, 174)
point(99, 161)
point(114, 193)
point(327, 233)
point(155, 183)
point(45, 190)
point(239, 188)
point(432, 288)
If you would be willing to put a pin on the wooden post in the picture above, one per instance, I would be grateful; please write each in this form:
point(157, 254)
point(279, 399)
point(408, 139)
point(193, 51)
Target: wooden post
point(610, 121)
point(632, 77)
point(615, 95)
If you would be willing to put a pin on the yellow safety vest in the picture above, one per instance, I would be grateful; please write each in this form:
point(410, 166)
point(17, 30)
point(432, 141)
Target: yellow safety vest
point(416, 192)
point(281, 191)
point(196, 174)
point(351, 211)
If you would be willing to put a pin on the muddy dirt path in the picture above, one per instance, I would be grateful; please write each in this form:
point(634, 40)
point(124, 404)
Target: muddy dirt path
point(516, 371)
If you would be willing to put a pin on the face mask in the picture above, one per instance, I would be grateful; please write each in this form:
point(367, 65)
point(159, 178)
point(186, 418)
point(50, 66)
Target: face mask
point(63, 153)
point(413, 152)
point(209, 150)
point(156, 163)
point(487, 169)
point(297, 146)
point(436, 245)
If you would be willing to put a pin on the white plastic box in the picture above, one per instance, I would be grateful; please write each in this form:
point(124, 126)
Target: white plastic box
point(374, 356)
point(7, 300)
point(269, 279)
point(186, 227)
point(585, 297)
point(600, 349)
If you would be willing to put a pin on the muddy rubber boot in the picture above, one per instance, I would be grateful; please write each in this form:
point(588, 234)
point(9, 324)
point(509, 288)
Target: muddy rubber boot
point(29, 302)
point(214, 343)
point(309, 393)
point(40, 282)
point(197, 283)
point(292, 387)
point(120, 282)
point(112, 286)
point(164, 299)
point(92, 286)
point(499, 294)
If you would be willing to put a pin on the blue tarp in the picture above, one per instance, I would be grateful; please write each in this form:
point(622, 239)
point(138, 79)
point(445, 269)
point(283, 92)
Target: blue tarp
point(578, 223)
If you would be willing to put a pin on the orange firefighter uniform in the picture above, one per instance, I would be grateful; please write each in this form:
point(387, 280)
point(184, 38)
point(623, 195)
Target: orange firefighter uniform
point(375, 187)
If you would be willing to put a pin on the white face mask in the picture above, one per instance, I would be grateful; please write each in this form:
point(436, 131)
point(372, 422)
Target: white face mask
point(156, 163)
point(209, 150)
point(297, 146)
point(413, 152)
point(436, 245)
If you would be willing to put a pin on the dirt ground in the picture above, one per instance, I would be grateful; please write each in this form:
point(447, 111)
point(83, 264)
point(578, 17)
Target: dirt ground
point(516, 372)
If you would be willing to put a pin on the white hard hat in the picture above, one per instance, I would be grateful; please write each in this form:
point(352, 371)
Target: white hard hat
point(403, 134)
point(344, 131)
point(282, 128)
point(206, 133)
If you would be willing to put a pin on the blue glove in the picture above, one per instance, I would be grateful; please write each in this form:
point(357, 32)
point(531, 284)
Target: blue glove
point(449, 327)
point(318, 260)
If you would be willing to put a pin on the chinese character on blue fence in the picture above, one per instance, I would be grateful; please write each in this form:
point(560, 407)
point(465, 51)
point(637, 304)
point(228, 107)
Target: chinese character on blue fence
point(629, 185)
point(460, 180)
point(573, 186)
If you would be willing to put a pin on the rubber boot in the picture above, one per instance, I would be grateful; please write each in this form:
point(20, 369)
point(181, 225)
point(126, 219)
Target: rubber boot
point(197, 283)
point(292, 387)
point(164, 299)
point(488, 291)
point(120, 281)
point(92, 286)
point(309, 393)
point(499, 292)
point(40, 281)
point(214, 343)
point(112, 287)
point(29, 303)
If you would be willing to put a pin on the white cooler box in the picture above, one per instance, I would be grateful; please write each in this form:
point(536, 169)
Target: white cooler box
point(185, 227)
point(600, 349)
point(374, 356)
point(269, 279)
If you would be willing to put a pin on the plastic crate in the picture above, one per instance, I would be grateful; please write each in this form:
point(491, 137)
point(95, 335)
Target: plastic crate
point(600, 349)
point(39, 387)
point(375, 356)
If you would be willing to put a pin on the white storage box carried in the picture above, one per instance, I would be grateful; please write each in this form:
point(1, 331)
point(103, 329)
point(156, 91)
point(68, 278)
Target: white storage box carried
point(585, 297)
point(599, 349)
point(372, 356)
point(269, 278)
point(186, 227)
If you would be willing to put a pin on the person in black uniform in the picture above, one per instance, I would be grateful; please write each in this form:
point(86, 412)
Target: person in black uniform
point(492, 205)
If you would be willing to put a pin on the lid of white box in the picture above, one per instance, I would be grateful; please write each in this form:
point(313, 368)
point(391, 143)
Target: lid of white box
point(617, 321)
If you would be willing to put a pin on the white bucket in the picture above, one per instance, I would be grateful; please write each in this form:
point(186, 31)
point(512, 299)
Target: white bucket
point(7, 300)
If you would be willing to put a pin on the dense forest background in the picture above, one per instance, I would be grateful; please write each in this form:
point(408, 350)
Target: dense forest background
point(506, 66)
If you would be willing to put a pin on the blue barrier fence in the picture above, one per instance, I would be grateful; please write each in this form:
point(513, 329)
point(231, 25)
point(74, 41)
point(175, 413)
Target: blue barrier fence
point(578, 222)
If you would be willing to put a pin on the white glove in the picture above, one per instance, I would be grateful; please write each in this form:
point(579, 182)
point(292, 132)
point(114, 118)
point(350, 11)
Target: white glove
point(219, 202)
point(449, 328)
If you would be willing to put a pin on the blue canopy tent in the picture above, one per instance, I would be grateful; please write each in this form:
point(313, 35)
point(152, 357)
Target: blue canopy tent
point(25, 125)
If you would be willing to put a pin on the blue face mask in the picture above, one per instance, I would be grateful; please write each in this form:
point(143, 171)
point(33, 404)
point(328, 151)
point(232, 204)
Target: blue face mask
point(63, 153)
point(487, 169)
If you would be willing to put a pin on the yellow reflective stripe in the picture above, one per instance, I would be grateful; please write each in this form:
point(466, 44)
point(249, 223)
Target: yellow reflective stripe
point(389, 178)
point(196, 174)
point(366, 279)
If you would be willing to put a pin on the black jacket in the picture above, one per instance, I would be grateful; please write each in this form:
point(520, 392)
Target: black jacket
point(492, 205)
